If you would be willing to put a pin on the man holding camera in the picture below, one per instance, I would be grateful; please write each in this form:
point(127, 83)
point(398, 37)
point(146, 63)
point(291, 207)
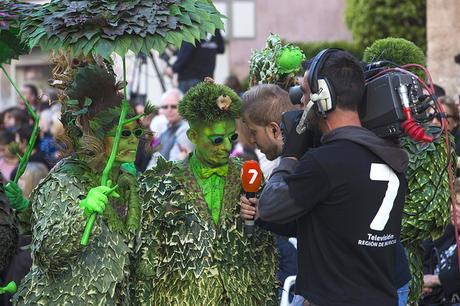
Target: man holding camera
point(346, 196)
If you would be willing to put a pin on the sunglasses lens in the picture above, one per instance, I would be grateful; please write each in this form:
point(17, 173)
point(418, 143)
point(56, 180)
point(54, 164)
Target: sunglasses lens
point(218, 140)
point(126, 133)
point(138, 132)
point(234, 137)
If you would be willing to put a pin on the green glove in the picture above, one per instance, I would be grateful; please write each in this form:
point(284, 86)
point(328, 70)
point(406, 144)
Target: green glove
point(129, 168)
point(97, 199)
point(10, 288)
point(16, 198)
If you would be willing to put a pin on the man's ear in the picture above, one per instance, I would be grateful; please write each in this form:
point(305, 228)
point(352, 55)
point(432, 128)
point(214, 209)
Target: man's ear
point(275, 130)
point(192, 135)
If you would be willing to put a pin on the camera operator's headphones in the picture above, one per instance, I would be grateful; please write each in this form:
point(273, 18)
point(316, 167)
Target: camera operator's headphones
point(322, 93)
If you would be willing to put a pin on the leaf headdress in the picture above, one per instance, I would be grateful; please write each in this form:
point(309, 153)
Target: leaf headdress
point(90, 95)
point(106, 26)
point(208, 102)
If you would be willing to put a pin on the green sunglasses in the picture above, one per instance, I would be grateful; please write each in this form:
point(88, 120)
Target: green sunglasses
point(127, 133)
point(218, 140)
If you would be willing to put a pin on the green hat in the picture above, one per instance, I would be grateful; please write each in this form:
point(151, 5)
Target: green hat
point(92, 96)
point(208, 103)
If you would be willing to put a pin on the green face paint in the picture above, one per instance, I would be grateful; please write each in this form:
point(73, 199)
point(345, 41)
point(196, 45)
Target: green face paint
point(213, 143)
point(128, 142)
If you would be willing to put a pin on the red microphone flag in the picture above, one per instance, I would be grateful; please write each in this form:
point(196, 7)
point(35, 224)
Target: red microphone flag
point(251, 176)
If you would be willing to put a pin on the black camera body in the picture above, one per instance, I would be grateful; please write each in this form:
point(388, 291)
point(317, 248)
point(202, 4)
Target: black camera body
point(381, 110)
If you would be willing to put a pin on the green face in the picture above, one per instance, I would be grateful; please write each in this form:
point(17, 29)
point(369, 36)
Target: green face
point(128, 142)
point(213, 143)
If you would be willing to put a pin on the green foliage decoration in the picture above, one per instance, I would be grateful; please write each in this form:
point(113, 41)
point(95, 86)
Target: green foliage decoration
point(372, 20)
point(398, 50)
point(428, 197)
point(277, 63)
point(199, 105)
point(401, 51)
point(426, 210)
point(11, 12)
point(106, 26)
point(310, 49)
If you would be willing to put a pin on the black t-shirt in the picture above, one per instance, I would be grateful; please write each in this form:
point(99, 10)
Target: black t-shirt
point(347, 236)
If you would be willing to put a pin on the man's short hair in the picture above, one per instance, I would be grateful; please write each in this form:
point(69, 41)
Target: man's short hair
point(172, 91)
point(346, 76)
point(265, 103)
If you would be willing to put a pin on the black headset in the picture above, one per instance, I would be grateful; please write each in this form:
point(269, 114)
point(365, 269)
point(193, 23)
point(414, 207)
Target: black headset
point(322, 93)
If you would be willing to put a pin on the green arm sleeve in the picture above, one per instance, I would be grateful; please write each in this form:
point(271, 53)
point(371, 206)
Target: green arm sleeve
point(58, 222)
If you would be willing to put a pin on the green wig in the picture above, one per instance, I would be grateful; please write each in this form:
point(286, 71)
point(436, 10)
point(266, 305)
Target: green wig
point(207, 103)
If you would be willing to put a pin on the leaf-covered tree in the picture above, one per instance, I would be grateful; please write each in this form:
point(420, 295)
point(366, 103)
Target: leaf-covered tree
point(370, 20)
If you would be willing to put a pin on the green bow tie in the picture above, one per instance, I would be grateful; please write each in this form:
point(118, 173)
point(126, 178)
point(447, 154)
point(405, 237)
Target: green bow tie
point(208, 172)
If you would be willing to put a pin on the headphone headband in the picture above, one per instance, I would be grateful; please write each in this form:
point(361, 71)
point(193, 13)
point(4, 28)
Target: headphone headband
point(322, 92)
point(315, 67)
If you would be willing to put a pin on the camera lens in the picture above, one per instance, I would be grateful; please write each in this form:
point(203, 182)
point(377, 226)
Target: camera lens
point(295, 94)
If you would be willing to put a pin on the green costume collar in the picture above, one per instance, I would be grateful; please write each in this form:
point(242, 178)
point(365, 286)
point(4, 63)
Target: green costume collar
point(212, 184)
point(205, 172)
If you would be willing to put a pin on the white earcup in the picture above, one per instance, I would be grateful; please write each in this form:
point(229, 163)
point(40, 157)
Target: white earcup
point(323, 97)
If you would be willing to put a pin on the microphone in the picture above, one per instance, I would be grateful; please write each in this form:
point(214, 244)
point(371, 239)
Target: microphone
point(251, 177)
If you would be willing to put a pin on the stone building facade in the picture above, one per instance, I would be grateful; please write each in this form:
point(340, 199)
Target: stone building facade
point(443, 31)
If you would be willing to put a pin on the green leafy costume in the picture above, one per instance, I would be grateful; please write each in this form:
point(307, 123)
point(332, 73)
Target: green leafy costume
point(185, 257)
point(8, 232)
point(9, 237)
point(64, 272)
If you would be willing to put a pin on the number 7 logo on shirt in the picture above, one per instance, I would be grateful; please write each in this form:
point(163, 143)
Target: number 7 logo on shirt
point(381, 172)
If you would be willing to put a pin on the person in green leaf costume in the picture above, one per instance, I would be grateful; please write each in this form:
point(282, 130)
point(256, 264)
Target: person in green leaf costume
point(277, 63)
point(64, 272)
point(192, 248)
point(426, 210)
